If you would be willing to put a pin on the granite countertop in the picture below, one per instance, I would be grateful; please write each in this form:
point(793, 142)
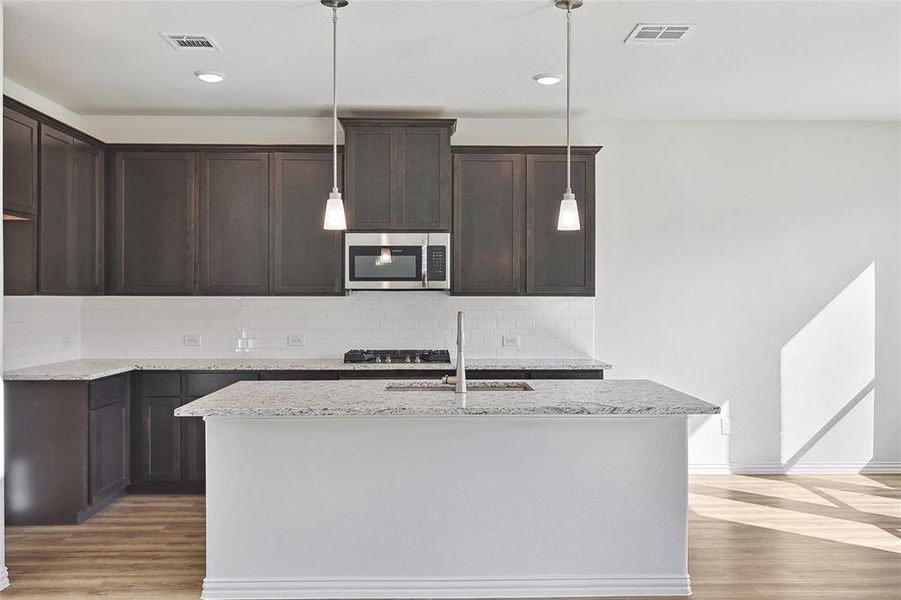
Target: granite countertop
point(363, 398)
point(88, 369)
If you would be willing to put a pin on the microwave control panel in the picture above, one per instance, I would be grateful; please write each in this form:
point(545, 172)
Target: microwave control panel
point(437, 263)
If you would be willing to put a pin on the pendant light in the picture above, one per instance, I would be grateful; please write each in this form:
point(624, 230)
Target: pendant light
point(334, 208)
point(568, 219)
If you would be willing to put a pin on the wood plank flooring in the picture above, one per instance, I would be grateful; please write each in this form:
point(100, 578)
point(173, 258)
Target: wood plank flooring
point(750, 538)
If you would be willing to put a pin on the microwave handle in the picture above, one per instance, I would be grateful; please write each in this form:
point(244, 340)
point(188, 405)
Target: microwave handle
point(425, 263)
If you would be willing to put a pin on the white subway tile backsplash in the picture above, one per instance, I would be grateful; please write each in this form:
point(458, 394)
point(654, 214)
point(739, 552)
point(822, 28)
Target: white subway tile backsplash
point(36, 329)
point(155, 326)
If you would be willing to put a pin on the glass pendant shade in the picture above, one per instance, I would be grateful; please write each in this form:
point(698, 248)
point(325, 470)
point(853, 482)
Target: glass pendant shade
point(334, 213)
point(568, 219)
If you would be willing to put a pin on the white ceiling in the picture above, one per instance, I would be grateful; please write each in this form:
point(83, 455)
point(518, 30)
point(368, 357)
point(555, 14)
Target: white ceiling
point(746, 60)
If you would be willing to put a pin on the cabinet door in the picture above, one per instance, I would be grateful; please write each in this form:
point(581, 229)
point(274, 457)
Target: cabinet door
point(195, 449)
point(371, 177)
point(559, 262)
point(86, 214)
point(306, 259)
point(489, 194)
point(424, 182)
point(154, 223)
point(108, 450)
point(20, 162)
point(19, 257)
point(234, 223)
point(160, 440)
point(56, 202)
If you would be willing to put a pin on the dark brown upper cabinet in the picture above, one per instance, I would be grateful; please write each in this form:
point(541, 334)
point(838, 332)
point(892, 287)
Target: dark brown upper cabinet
point(20, 163)
point(559, 262)
point(233, 253)
point(398, 174)
point(489, 203)
point(506, 202)
point(19, 257)
point(153, 221)
point(304, 258)
point(86, 220)
point(69, 228)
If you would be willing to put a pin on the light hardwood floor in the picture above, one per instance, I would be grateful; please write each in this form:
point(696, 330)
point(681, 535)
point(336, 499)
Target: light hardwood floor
point(750, 538)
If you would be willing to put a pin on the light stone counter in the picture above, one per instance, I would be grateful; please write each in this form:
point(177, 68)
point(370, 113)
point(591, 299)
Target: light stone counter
point(372, 398)
point(89, 369)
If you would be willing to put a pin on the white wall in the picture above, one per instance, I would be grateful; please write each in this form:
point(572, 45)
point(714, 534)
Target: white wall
point(155, 327)
point(725, 256)
point(721, 248)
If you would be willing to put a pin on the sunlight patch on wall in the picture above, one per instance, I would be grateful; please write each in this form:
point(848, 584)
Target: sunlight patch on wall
point(827, 379)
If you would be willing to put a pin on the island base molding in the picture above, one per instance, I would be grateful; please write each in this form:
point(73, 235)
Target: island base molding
point(423, 588)
point(446, 507)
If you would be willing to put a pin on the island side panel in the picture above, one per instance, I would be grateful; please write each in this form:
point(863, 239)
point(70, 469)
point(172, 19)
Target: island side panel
point(416, 507)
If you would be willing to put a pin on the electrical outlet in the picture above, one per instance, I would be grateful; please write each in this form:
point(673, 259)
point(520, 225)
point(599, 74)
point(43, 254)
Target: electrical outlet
point(296, 341)
point(511, 341)
point(191, 340)
point(67, 342)
point(725, 425)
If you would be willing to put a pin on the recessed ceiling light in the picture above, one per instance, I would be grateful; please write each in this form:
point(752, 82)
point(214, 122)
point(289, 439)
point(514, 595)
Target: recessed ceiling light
point(547, 79)
point(209, 76)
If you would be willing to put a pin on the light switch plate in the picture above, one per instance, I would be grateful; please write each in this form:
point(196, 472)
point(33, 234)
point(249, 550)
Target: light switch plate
point(191, 340)
point(296, 341)
point(67, 342)
point(725, 425)
point(511, 341)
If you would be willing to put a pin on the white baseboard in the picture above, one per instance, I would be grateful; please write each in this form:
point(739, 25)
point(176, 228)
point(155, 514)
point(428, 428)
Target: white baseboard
point(776, 468)
point(4, 578)
point(344, 588)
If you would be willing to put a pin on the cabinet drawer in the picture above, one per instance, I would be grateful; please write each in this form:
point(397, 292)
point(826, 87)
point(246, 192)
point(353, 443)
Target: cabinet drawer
point(107, 391)
point(201, 384)
point(160, 384)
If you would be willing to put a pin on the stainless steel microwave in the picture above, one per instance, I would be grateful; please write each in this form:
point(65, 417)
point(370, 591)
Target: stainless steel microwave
point(397, 261)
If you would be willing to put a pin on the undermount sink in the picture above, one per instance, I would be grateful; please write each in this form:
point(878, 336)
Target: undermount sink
point(472, 386)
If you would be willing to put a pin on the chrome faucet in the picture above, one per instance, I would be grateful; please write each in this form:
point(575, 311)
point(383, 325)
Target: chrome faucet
point(459, 380)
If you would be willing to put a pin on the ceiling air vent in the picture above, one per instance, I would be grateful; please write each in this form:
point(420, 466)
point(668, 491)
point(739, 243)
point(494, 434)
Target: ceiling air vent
point(191, 42)
point(655, 33)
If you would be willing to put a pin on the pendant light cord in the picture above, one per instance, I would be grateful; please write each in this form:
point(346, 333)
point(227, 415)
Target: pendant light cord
point(568, 79)
point(335, 96)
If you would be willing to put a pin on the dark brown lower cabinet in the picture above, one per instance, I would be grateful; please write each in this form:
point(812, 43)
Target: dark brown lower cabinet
point(108, 450)
point(160, 455)
point(170, 451)
point(66, 449)
point(195, 449)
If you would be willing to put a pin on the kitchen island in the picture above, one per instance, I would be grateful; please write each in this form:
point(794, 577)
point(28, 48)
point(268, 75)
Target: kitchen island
point(368, 489)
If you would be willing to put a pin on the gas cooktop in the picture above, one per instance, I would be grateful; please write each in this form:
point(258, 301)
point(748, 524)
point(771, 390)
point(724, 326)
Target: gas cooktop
point(396, 356)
